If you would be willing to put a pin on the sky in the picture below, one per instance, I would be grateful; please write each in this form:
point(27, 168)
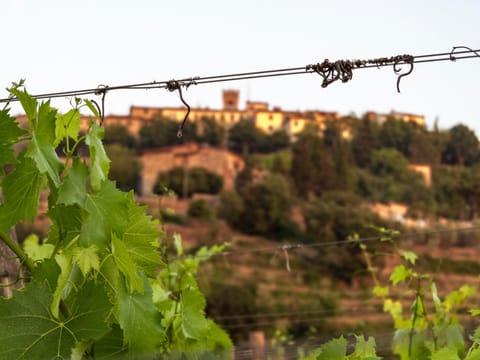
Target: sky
point(59, 45)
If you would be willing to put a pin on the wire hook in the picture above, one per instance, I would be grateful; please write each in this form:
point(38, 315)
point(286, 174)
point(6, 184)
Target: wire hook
point(453, 58)
point(407, 59)
point(101, 90)
point(173, 85)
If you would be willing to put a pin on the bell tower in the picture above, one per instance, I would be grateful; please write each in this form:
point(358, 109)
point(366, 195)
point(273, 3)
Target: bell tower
point(230, 99)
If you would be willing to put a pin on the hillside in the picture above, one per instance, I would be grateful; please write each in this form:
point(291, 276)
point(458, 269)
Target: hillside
point(261, 287)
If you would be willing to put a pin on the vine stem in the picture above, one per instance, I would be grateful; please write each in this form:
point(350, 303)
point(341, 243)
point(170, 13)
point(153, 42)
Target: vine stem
point(18, 251)
point(414, 320)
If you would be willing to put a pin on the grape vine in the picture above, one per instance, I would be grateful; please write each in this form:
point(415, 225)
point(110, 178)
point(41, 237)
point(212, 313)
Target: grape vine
point(101, 286)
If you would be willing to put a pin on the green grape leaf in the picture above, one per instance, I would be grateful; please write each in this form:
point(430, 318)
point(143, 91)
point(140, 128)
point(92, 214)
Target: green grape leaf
point(473, 354)
point(177, 242)
point(400, 273)
point(21, 194)
point(381, 291)
point(29, 105)
point(140, 322)
point(447, 353)
point(393, 307)
point(67, 223)
point(217, 338)
point(9, 134)
point(451, 335)
point(67, 125)
point(136, 313)
point(126, 265)
point(435, 298)
point(364, 349)
point(107, 213)
point(410, 256)
point(36, 251)
point(194, 323)
point(47, 271)
point(73, 189)
point(335, 349)
point(29, 331)
point(86, 258)
point(141, 239)
point(111, 346)
point(64, 262)
point(41, 148)
point(99, 162)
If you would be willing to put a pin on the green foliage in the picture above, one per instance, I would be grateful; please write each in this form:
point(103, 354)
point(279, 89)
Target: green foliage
point(200, 209)
point(119, 134)
point(162, 132)
point(261, 207)
point(333, 218)
point(457, 192)
point(462, 147)
point(197, 180)
point(211, 132)
point(243, 137)
point(97, 286)
point(30, 331)
point(391, 180)
point(336, 349)
point(312, 168)
point(125, 167)
point(397, 134)
point(9, 135)
point(231, 208)
point(365, 141)
point(427, 331)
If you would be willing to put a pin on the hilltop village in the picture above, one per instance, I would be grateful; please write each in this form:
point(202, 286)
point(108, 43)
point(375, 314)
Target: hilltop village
point(264, 118)
point(228, 164)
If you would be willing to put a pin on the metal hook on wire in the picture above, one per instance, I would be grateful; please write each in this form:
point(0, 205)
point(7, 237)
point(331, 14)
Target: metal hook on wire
point(173, 85)
point(407, 59)
point(453, 58)
point(101, 90)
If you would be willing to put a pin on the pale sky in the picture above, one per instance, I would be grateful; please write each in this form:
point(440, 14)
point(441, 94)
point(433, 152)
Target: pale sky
point(60, 45)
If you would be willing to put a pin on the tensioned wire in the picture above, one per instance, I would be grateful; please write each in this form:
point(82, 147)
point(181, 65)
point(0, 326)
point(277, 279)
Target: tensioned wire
point(288, 71)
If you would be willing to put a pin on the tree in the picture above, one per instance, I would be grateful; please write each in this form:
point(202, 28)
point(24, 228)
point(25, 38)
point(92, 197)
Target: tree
point(119, 134)
point(458, 193)
point(197, 180)
point(364, 142)
point(462, 147)
point(267, 206)
point(334, 217)
point(391, 180)
point(243, 137)
point(231, 208)
point(389, 162)
point(162, 132)
point(125, 167)
point(341, 156)
point(312, 168)
point(424, 149)
point(211, 132)
point(277, 140)
point(397, 134)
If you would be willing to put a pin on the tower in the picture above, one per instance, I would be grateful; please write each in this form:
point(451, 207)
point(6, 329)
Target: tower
point(230, 99)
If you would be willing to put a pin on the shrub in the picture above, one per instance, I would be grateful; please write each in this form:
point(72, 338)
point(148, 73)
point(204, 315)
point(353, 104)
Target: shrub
point(199, 180)
point(200, 209)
